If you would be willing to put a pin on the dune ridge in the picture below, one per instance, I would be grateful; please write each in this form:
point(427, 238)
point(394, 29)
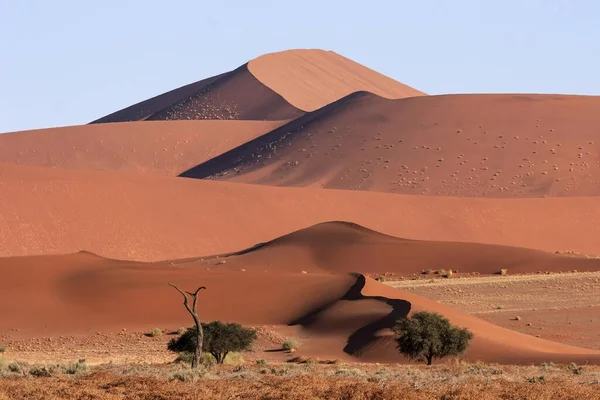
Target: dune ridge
point(310, 78)
point(354, 313)
point(232, 95)
point(451, 145)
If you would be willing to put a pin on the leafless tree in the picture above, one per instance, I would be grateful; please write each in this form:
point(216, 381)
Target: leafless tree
point(192, 311)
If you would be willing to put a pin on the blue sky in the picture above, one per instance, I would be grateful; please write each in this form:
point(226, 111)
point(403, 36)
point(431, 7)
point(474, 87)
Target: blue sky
point(69, 62)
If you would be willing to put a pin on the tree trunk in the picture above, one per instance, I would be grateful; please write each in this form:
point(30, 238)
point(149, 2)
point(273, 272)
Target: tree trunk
point(194, 314)
point(429, 360)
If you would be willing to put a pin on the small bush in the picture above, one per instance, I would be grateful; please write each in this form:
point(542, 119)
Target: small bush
point(381, 278)
point(77, 368)
point(155, 332)
point(42, 371)
point(261, 361)
point(517, 318)
point(290, 344)
point(537, 379)
point(575, 369)
point(503, 272)
point(16, 368)
point(2, 349)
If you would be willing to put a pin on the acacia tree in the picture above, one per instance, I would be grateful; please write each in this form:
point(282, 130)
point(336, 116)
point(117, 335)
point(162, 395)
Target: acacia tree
point(426, 336)
point(192, 310)
point(219, 339)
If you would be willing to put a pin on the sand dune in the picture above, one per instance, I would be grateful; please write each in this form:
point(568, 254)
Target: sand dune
point(232, 95)
point(275, 86)
point(455, 145)
point(147, 217)
point(311, 79)
point(344, 247)
point(167, 148)
point(82, 292)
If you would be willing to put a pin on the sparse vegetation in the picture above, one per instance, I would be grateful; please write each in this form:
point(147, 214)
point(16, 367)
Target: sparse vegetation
point(290, 345)
point(219, 340)
point(427, 336)
point(2, 349)
point(155, 332)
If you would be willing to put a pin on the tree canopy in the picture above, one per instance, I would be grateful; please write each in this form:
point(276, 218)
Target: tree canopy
point(427, 336)
point(219, 339)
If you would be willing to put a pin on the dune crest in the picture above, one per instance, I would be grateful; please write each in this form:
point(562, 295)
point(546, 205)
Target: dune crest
point(451, 145)
point(311, 79)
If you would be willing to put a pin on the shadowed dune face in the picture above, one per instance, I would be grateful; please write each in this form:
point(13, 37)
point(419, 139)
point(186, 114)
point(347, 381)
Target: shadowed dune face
point(79, 292)
point(148, 217)
point(233, 95)
point(311, 79)
point(455, 145)
point(162, 147)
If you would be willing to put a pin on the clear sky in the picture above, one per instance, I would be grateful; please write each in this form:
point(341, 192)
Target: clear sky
point(67, 62)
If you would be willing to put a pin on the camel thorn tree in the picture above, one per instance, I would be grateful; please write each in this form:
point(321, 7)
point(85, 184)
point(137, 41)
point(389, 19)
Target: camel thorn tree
point(194, 314)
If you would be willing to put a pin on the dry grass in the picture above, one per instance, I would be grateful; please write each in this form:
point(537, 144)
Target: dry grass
point(309, 381)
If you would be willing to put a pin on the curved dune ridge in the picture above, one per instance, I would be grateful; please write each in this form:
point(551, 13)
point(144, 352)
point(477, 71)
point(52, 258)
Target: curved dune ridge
point(451, 145)
point(232, 95)
point(148, 217)
point(353, 313)
point(346, 247)
point(310, 79)
point(164, 147)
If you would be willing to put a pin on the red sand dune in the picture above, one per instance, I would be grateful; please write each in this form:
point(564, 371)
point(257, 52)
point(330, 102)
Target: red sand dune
point(232, 95)
point(164, 147)
point(310, 79)
point(454, 145)
point(148, 217)
point(345, 247)
point(271, 87)
point(83, 292)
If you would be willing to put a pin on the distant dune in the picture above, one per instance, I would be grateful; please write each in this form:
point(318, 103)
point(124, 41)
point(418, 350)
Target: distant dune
point(311, 79)
point(233, 95)
point(148, 217)
point(455, 145)
point(163, 147)
point(271, 87)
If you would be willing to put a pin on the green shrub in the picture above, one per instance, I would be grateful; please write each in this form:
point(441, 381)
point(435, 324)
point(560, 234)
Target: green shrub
point(290, 344)
point(219, 340)
point(426, 336)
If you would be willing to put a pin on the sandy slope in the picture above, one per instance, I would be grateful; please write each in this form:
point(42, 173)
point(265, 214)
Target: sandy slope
point(454, 145)
point(83, 292)
point(310, 79)
point(163, 147)
point(147, 217)
point(345, 247)
point(271, 87)
point(232, 95)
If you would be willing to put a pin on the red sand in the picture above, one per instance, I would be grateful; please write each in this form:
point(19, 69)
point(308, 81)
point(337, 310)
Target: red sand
point(455, 145)
point(162, 147)
point(148, 217)
point(82, 292)
point(311, 79)
point(470, 146)
point(233, 95)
